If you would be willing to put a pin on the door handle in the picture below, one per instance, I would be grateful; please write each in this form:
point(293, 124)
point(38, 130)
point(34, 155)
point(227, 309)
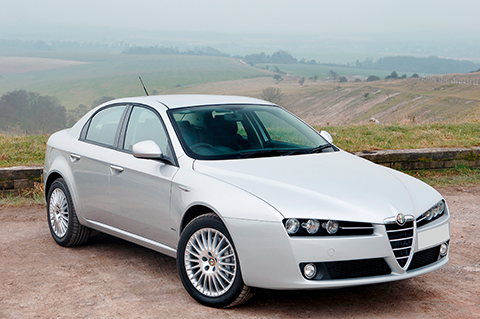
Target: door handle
point(75, 158)
point(116, 170)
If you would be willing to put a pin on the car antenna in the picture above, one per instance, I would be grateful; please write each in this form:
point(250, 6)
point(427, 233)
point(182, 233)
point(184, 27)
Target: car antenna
point(143, 86)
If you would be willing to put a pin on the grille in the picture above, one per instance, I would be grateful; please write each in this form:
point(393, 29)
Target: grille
point(401, 240)
point(424, 257)
point(357, 268)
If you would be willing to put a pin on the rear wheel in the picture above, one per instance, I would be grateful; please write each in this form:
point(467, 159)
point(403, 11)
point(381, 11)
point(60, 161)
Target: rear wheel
point(208, 264)
point(64, 226)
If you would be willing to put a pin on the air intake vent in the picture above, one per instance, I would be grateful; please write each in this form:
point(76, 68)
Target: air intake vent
point(401, 240)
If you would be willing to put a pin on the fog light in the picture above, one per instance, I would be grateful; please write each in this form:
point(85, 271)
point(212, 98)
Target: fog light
point(309, 271)
point(331, 226)
point(443, 249)
point(311, 226)
point(292, 226)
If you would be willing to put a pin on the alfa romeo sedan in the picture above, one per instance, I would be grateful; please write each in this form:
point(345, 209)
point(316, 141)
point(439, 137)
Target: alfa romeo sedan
point(243, 194)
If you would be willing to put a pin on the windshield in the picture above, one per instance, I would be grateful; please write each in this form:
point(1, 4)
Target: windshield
point(243, 131)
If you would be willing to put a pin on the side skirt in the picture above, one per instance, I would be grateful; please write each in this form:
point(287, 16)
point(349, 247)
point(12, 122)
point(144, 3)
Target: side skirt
point(142, 241)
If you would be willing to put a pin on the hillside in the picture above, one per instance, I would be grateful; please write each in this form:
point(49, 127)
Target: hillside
point(393, 101)
point(76, 78)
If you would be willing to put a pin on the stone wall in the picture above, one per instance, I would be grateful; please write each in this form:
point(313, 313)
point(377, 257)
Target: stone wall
point(428, 158)
point(19, 177)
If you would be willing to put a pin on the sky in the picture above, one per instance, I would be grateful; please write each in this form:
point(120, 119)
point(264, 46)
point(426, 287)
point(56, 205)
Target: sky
point(249, 16)
point(395, 20)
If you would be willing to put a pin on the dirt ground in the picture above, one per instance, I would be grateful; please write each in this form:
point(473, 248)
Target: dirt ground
point(111, 278)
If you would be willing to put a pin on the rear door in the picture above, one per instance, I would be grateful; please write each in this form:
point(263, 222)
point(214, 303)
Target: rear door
point(91, 165)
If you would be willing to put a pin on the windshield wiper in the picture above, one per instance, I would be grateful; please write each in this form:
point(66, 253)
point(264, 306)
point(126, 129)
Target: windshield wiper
point(262, 153)
point(320, 148)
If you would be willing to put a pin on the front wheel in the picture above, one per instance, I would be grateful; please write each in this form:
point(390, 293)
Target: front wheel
point(64, 226)
point(208, 264)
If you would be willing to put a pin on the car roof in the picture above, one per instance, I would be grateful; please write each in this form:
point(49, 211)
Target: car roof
point(187, 100)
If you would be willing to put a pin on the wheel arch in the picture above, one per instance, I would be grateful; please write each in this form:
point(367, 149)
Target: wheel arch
point(192, 213)
point(48, 182)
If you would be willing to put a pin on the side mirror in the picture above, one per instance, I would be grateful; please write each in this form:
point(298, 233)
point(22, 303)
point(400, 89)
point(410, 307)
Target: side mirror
point(327, 136)
point(147, 149)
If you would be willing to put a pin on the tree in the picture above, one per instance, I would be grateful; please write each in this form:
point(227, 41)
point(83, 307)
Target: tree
point(302, 80)
point(32, 112)
point(273, 95)
point(277, 77)
point(415, 75)
point(283, 57)
point(342, 79)
point(333, 74)
point(315, 78)
point(393, 75)
point(372, 78)
point(74, 115)
point(101, 100)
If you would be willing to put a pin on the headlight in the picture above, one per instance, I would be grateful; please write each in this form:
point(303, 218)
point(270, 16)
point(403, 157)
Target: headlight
point(311, 226)
point(331, 226)
point(321, 227)
point(292, 226)
point(436, 211)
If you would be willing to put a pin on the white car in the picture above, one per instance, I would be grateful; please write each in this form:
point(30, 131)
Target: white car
point(243, 193)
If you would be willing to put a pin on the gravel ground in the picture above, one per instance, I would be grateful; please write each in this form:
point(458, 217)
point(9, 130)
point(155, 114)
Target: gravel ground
point(111, 278)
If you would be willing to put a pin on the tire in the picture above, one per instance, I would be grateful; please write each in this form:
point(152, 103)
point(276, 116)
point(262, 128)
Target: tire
point(62, 219)
point(208, 264)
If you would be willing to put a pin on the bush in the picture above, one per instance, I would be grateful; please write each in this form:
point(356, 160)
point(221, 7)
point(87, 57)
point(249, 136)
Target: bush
point(273, 95)
point(372, 78)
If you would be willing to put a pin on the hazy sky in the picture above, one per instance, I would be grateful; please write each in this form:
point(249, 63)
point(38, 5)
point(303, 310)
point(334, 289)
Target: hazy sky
point(247, 16)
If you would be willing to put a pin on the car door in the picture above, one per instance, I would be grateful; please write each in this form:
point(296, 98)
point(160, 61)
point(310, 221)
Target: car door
point(140, 188)
point(90, 162)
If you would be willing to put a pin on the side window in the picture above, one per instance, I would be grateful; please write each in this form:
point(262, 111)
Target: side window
point(104, 124)
point(144, 125)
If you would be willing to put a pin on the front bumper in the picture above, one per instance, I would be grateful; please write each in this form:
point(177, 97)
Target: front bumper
point(270, 259)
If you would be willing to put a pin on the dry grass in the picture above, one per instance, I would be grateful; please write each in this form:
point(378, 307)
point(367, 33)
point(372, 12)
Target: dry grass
point(459, 176)
point(371, 137)
point(30, 196)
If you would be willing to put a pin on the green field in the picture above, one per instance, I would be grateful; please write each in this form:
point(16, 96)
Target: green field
point(117, 75)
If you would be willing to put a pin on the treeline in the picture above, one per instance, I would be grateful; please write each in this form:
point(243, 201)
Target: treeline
point(432, 64)
point(52, 45)
point(206, 50)
point(31, 113)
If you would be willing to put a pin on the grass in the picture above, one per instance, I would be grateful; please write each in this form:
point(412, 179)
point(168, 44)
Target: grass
point(308, 70)
point(458, 176)
point(28, 150)
point(33, 196)
point(371, 137)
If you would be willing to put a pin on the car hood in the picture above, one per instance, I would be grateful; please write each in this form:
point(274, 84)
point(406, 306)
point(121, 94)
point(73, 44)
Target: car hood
point(334, 185)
